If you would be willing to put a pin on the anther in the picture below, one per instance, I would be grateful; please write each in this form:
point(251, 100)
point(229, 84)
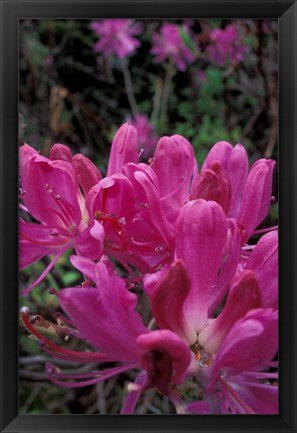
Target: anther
point(25, 310)
point(52, 291)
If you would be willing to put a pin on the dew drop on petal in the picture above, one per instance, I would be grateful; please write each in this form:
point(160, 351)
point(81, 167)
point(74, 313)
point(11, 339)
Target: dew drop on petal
point(54, 232)
point(144, 205)
point(122, 220)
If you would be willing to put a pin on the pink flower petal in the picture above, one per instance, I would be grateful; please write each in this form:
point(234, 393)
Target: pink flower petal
point(105, 315)
point(60, 151)
point(26, 153)
point(123, 149)
point(89, 243)
point(251, 343)
point(165, 357)
point(234, 161)
point(231, 257)
point(29, 253)
point(174, 163)
point(256, 197)
point(200, 407)
point(264, 262)
point(86, 172)
point(201, 237)
point(168, 300)
point(244, 295)
point(84, 265)
point(53, 200)
point(213, 184)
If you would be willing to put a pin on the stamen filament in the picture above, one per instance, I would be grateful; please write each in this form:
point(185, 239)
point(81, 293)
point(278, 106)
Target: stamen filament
point(91, 355)
point(52, 376)
point(236, 396)
point(47, 269)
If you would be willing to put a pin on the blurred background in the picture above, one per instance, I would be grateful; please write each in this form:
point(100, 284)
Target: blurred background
point(80, 80)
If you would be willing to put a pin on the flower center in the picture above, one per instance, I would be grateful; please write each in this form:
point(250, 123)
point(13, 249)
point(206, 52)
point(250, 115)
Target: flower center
point(202, 356)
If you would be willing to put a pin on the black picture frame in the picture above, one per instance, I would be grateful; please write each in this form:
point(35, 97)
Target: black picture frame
point(13, 10)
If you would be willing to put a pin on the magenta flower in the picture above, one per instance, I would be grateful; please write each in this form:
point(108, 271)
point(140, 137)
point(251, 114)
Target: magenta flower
point(225, 46)
point(168, 44)
point(175, 166)
point(202, 274)
point(240, 380)
point(162, 354)
point(147, 139)
point(129, 208)
point(224, 178)
point(116, 36)
point(50, 191)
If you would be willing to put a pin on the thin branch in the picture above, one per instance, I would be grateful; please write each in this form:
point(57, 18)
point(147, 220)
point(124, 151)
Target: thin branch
point(171, 71)
point(129, 88)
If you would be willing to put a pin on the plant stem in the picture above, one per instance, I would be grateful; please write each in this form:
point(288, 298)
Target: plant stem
point(166, 91)
point(129, 88)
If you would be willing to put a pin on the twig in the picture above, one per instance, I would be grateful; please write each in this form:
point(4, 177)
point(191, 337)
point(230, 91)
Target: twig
point(33, 394)
point(253, 119)
point(129, 88)
point(274, 111)
point(156, 102)
point(166, 91)
point(33, 376)
point(39, 359)
point(101, 404)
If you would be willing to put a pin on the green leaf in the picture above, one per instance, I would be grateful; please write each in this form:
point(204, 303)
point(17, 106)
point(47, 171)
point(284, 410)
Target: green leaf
point(186, 38)
point(70, 277)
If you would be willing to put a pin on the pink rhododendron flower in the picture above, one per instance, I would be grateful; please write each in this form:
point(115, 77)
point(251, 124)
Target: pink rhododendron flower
point(168, 44)
point(162, 354)
point(128, 207)
point(51, 191)
point(224, 178)
point(240, 382)
point(225, 46)
point(179, 234)
point(116, 36)
point(77, 209)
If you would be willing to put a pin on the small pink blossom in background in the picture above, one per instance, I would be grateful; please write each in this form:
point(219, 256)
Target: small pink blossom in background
point(116, 36)
point(226, 46)
point(147, 138)
point(199, 79)
point(168, 44)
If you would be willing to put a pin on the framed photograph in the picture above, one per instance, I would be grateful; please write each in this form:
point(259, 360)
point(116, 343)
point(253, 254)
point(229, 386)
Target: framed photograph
point(148, 237)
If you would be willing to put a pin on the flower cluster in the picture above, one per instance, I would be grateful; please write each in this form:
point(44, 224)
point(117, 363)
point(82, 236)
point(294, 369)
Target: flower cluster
point(186, 238)
point(172, 42)
point(226, 46)
point(117, 36)
point(168, 44)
